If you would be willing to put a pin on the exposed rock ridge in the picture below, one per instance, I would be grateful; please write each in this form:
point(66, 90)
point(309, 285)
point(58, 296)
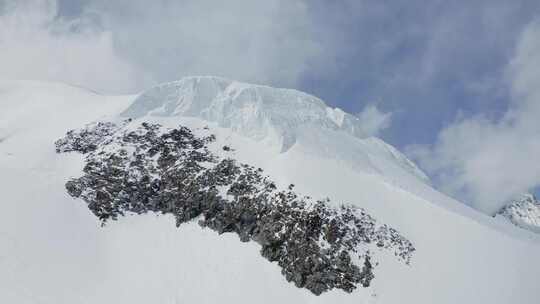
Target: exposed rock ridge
point(523, 212)
point(149, 168)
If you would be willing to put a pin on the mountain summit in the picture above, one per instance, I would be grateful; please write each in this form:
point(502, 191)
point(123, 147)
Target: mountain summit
point(280, 118)
point(254, 110)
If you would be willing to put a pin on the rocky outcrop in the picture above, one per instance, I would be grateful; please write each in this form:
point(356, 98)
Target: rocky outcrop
point(149, 168)
point(524, 212)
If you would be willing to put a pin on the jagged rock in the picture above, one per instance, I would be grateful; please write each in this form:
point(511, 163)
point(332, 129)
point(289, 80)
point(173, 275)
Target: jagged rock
point(523, 211)
point(153, 169)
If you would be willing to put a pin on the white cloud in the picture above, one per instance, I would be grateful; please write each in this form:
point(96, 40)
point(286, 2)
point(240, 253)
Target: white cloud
point(35, 44)
point(271, 41)
point(373, 120)
point(486, 162)
point(127, 45)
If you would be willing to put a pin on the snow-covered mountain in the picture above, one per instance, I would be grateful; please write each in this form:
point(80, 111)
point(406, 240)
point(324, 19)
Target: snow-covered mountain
point(523, 211)
point(239, 146)
point(277, 117)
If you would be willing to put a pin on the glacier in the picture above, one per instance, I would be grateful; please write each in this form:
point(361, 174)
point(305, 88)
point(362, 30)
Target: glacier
point(256, 111)
point(277, 117)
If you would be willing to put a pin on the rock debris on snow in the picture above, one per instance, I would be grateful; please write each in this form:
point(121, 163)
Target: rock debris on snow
point(148, 168)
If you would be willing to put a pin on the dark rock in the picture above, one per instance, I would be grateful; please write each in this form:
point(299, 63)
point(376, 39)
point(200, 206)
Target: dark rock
point(172, 171)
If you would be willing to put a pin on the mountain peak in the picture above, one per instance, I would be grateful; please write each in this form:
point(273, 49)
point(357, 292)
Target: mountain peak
point(257, 111)
point(523, 211)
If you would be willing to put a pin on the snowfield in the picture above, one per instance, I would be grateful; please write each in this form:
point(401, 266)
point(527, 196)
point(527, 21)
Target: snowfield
point(54, 250)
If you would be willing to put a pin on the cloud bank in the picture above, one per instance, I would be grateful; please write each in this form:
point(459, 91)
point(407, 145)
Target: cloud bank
point(485, 161)
point(36, 44)
point(271, 42)
point(125, 46)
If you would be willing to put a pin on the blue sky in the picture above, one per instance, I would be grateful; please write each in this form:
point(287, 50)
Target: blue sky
point(438, 59)
point(436, 66)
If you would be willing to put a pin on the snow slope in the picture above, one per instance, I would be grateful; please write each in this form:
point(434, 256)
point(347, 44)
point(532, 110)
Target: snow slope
point(53, 250)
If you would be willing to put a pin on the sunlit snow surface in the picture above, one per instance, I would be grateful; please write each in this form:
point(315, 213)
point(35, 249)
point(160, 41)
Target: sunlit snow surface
point(53, 250)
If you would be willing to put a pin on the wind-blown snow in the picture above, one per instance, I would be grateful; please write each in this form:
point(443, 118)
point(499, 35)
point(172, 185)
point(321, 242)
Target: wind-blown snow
point(53, 250)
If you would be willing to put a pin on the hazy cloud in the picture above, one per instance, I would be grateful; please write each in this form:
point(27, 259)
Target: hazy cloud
point(125, 46)
point(423, 60)
point(35, 44)
point(271, 41)
point(486, 161)
point(373, 120)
